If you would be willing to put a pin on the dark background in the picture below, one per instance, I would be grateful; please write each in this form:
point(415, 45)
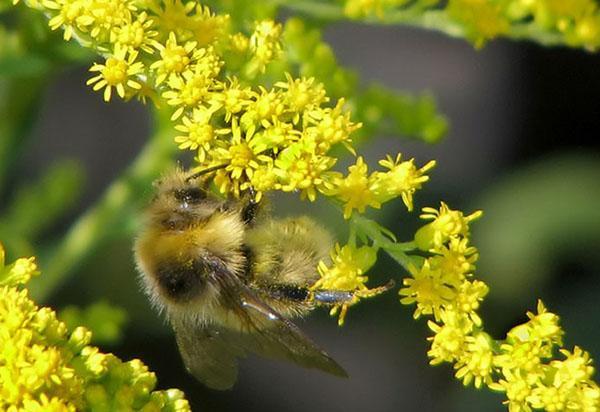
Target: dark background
point(524, 130)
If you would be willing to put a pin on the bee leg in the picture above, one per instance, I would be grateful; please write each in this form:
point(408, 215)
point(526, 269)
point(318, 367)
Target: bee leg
point(250, 209)
point(332, 297)
point(343, 297)
point(303, 294)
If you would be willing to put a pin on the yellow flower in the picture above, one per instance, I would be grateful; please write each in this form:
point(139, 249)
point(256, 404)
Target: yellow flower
point(69, 13)
point(446, 223)
point(173, 16)
point(174, 58)
point(469, 296)
point(119, 72)
point(102, 16)
point(402, 179)
point(264, 44)
point(517, 390)
point(263, 179)
point(347, 272)
point(18, 273)
point(448, 342)
point(267, 104)
point(574, 369)
point(195, 86)
point(235, 98)
point(278, 134)
point(299, 169)
point(137, 34)
point(483, 19)
point(456, 260)
point(242, 155)
point(329, 126)
point(427, 290)
point(302, 94)
point(356, 189)
point(199, 134)
point(544, 325)
point(476, 362)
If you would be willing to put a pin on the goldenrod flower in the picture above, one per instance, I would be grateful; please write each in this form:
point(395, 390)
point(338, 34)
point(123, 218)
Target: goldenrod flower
point(302, 94)
point(119, 72)
point(199, 133)
point(469, 297)
point(299, 169)
point(517, 390)
point(447, 344)
point(174, 59)
point(264, 44)
point(456, 260)
point(576, 367)
point(329, 126)
point(235, 98)
point(356, 189)
point(446, 223)
point(138, 34)
point(103, 16)
point(476, 362)
point(426, 289)
point(196, 86)
point(20, 272)
point(173, 16)
point(266, 105)
point(69, 13)
point(402, 179)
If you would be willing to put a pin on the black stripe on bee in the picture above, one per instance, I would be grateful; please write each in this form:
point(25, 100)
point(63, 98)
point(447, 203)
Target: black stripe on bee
point(181, 281)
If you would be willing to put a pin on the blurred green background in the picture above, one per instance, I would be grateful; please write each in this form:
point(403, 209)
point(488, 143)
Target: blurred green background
point(523, 146)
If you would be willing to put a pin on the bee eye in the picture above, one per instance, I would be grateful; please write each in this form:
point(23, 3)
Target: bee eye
point(190, 195)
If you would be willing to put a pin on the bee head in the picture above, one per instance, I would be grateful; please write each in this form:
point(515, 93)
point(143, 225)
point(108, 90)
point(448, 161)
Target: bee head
point(180, 201)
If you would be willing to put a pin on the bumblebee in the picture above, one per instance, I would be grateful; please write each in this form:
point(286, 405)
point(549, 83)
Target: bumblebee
point(229, 278)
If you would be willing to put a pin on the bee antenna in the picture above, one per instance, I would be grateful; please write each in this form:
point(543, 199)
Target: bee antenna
point(205, 171)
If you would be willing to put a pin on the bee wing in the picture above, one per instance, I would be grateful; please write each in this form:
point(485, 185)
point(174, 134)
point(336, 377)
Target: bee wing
point(210, 351)
point(278, 338)
point(209, 354)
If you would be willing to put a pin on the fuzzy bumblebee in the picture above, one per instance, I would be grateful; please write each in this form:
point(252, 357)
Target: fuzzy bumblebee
point(229, 277)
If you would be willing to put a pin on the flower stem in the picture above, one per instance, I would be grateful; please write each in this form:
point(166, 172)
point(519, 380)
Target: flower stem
point(111, 215)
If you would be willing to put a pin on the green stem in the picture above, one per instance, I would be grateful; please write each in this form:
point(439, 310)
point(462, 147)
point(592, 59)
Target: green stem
point(406, 261)
point(108, 216)
point(436, 20)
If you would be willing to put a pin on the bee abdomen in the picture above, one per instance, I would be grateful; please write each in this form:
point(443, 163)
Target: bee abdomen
point(181, 281)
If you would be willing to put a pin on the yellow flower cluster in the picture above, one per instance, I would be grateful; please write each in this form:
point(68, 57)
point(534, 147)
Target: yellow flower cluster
point(268, 139)
point(522, 366)
point(44, 367)
point(575, 22)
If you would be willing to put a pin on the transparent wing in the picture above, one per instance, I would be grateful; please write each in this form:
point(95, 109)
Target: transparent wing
point(208, 356)
point(210, 352)
point(278, 338)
